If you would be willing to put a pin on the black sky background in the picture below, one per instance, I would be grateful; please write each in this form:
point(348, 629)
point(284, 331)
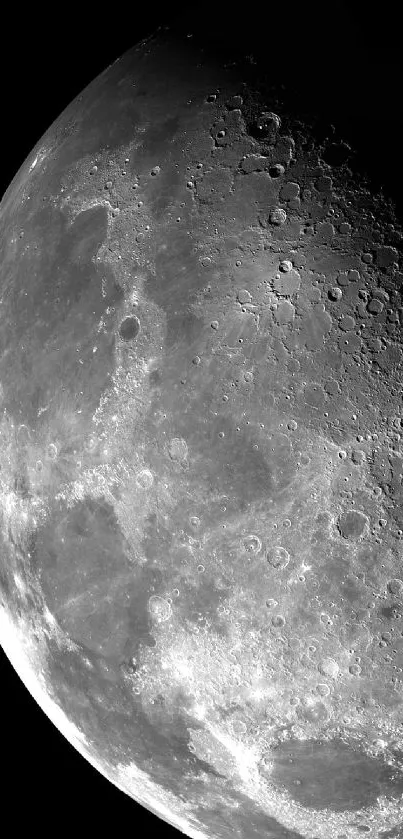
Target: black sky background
point(344, 61)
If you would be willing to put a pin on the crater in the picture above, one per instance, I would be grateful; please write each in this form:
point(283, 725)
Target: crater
point(352, 524)
point(129, 328)
point(333, 775)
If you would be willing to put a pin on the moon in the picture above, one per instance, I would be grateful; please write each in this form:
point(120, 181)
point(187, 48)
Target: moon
point(201, 451)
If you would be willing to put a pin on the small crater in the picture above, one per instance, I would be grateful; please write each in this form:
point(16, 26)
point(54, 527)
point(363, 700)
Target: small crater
point(278, 621)
point(129, 328)
point(253, 163)
point(159, 608)
point(178, 449)
point(277, 216)
point(335, 293)
point(375, 306)
point(314, 712)
point(326, 619)
point(289, 191)
point(52, 451)
point(244, 296)
point(335, 154)
point(352, 524)
point(288, 283)
point(329, 667)
point(23, 436)
point(266, 127)
point(277, 170)
point(271, 603)
point(322, 689)
point(278, 557)
point(346, 323)
point(239, 727)
point(252, 544)
point(144, 479)
point(285, 312)
point(395, 587)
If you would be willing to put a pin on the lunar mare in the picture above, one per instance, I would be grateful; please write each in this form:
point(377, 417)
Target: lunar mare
point(201, 453)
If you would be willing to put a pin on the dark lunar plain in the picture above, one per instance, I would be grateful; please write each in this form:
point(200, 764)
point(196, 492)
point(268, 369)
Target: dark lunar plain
point(338, 63)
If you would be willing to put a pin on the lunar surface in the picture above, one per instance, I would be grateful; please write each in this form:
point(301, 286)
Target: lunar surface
point(201, 503)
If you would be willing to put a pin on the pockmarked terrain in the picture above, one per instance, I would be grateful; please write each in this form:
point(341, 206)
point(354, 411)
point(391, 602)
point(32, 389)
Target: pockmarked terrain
point(201, 453)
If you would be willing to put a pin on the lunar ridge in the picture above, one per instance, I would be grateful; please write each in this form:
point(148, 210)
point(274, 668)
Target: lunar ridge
point(201, 459)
